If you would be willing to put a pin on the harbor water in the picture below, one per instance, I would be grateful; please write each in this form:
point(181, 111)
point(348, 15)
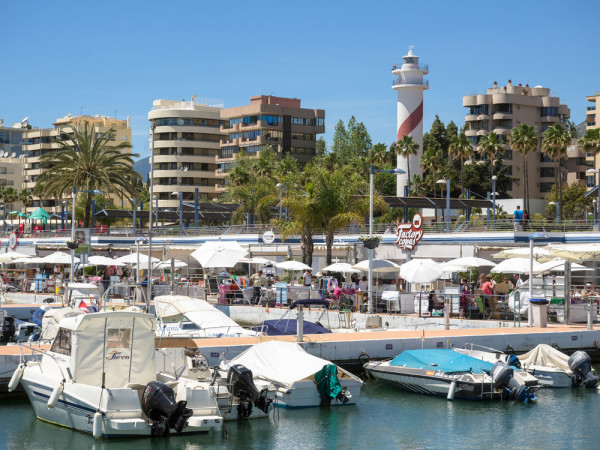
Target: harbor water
point(384, 418)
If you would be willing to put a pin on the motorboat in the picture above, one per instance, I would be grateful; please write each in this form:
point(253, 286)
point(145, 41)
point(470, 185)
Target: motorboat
point(299, 378)
point(287, 325)
point(490, 355)
point(555, 369)
point(182, 316)
point(239, 395)
point(447, 373)
point(99, 377)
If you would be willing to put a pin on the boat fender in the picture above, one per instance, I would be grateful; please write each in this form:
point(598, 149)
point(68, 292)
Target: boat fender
point(16, 378)
point(55, 394)
point(97, 426)
point(452, 390)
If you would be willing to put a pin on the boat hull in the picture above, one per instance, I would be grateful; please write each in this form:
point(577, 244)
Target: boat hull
point(437, 383)
point(304, 394)
point(549, 377)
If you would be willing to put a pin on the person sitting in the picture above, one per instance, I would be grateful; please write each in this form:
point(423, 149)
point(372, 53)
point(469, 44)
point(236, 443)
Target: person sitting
point(363, 285)
point(588, 291)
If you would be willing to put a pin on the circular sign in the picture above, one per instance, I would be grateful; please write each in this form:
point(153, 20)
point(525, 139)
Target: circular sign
point(268, 237)
point(417, 221)
point(12, 241)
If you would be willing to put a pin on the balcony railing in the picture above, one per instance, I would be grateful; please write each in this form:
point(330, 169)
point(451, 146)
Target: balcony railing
point(423, 67)
point(403, 82)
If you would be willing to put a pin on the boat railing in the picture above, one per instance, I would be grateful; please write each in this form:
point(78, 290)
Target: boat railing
point(35, 351)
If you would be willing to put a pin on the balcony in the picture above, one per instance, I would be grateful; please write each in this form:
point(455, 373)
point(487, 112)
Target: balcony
point(401, 82)
point(591, 108)
point(502, 115)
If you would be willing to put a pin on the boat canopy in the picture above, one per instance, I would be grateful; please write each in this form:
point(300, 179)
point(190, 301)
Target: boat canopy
point(118, 346)
point(546, 355)
point(284, 327)
point(175, 308)
point(309, 302)
point(282, 362)
point(52, 318)
point(444, 360)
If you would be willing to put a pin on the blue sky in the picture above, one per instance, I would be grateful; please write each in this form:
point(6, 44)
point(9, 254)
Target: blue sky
point(100, 57)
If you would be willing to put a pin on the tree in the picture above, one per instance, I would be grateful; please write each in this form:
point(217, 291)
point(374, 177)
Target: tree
point(575, 205)
point(320, 146)
point(406, 147)
point(524, 139)
point(461, 148)
point(555, 142)
point(351, 142)
point(491, 145)
point(87, 161)
point(10, 195)
point(26, 198)
point(379, 155)
point(590, 142)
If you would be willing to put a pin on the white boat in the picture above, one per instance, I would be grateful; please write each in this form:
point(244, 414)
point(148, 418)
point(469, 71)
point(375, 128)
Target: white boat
point(99, 377)
point(239, 395)
point(300, 379)
point(181, 316)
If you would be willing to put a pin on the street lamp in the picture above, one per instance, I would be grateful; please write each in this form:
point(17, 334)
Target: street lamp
point(556, 209)
point(174, 194)
point(373, 170)
point(494, 178)
point(532, 238)
point(134, 201)
point(280, 186)
point(75, 191)
point(447, 183)
point(593, 173)
point(149, 287)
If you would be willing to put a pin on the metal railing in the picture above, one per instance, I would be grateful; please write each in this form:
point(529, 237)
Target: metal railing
point(403, 82)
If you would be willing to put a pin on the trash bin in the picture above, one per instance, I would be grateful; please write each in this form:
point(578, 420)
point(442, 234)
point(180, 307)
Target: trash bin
point(539, 312)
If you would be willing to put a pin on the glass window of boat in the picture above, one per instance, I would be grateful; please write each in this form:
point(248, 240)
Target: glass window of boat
point(118, 338)
point(62, 342)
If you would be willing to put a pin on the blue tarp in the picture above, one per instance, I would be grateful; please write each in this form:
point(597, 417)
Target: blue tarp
point(447, 361)
point(288, 327)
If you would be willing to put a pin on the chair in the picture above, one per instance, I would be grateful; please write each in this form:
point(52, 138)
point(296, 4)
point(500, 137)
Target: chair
point(392, 300)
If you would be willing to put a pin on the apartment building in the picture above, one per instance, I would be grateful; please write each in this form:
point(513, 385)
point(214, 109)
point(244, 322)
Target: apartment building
point(187, 136)
point(277, 122)
point(11, 155)
point(501, 109)
point(592, 121)
point(39, 141)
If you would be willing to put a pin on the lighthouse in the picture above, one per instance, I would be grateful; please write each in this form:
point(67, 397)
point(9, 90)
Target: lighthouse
point(408, 82)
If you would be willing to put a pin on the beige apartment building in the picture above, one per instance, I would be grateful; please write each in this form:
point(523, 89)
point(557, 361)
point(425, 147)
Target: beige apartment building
point(592, 122)
point(503, 108)
point(11, 156)
point(39, 141)
point(186, 143)
point(278, 122)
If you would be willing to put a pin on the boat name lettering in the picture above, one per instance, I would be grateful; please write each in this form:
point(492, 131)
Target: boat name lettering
point(408, 235)
point(116, 355)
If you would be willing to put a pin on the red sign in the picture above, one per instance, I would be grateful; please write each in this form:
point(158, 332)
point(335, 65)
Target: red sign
point(408, 235)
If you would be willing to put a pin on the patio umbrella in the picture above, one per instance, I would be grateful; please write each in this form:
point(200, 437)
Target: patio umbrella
point(98, 260)
point(292, 265)
point(256, 260)
point(341, 268)
point(421, 271)
point(539, 253)
point(132, 258)
point(166, 264)
point(378, 265)
point(9, 257)
point(58, 258)
point(471, 261)
point(219, 254)
point(28, 260)
point(515, 265)
point(39, 214)
point(558, 265)
point(575, 252)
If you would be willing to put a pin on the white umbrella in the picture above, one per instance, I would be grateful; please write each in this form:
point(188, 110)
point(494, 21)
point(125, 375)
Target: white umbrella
point(9, 257)
point(421, 271)
point(35, 260)
point(558, 265)
point(523, 252)
point(575, 252)
point(166, 264)
point(515, 265)
point(452, 268)
point(132, 258)
point(98, 260)
point(292, 265)
point(257, 260)
point(58, 258)
point(341, 268)
point(378, 265)
point(219, 254)
point(471, 261)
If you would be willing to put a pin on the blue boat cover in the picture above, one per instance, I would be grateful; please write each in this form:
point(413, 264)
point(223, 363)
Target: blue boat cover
point(447, 361)
point(309, 301)
point(288, 327)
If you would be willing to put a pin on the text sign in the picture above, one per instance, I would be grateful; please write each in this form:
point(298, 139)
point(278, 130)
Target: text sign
point(408, 235)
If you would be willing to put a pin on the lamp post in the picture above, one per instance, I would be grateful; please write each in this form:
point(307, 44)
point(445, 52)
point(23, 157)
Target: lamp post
point(494, 178)
point(556, 220)
point(3, 217)
point(134, 201)
point(373, 170)
point(149, 287)
point(75, 191)
point(593, 173)
point(447, 183)
point(532, 238)
point(280, 186)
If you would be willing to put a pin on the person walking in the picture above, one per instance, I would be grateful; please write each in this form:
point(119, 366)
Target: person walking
point(518, 218)
point(307, 278)
point(256, 282)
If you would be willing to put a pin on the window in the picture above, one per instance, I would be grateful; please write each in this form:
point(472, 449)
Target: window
point(479, 109)
point(62, 342)
point(303, 151)
point(304, 121)
point(549, 111)
point(4, 138)
point(505, 123)
point(508, 155)
point(252, 135)
point(303, 136)
point(591, 181)
point(505, 108)
point(474, 139)
point(546, 172)
point(228, 151)
point(271, 120)
point(118, 338)
point(546, 187)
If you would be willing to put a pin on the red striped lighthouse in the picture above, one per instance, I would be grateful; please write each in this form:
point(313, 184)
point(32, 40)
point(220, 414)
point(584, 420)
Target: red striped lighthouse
point(409, 84)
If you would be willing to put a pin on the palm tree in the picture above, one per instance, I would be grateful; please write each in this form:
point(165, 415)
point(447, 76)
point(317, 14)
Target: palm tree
point(407, 147)
point(555, 142)
point(590, 142)
point(461, 147)
point(87, 161)
point(379, 154)
point(524, 139)
point(432, 161)
point(26, 198)
point(10, 196)
point(255, 200)
point(491, 145)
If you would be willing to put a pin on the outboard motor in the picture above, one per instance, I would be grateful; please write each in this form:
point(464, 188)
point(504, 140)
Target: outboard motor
point(513, 360)
point(159, 405)
point(241, 385)
point(580, 364)
point(503, 378)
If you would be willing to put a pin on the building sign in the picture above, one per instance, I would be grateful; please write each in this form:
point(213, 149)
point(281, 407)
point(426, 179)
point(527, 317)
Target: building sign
point(268, 237)
point(82, 238)
point(408, 235)
point(12, 241)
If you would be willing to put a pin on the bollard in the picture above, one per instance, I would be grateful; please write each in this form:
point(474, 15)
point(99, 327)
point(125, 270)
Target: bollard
point(300, 323)
point(590, 320)
point(447, 306)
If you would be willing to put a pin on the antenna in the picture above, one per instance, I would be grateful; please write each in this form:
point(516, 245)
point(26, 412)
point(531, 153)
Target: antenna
point(13, 154)
point(185, 169)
